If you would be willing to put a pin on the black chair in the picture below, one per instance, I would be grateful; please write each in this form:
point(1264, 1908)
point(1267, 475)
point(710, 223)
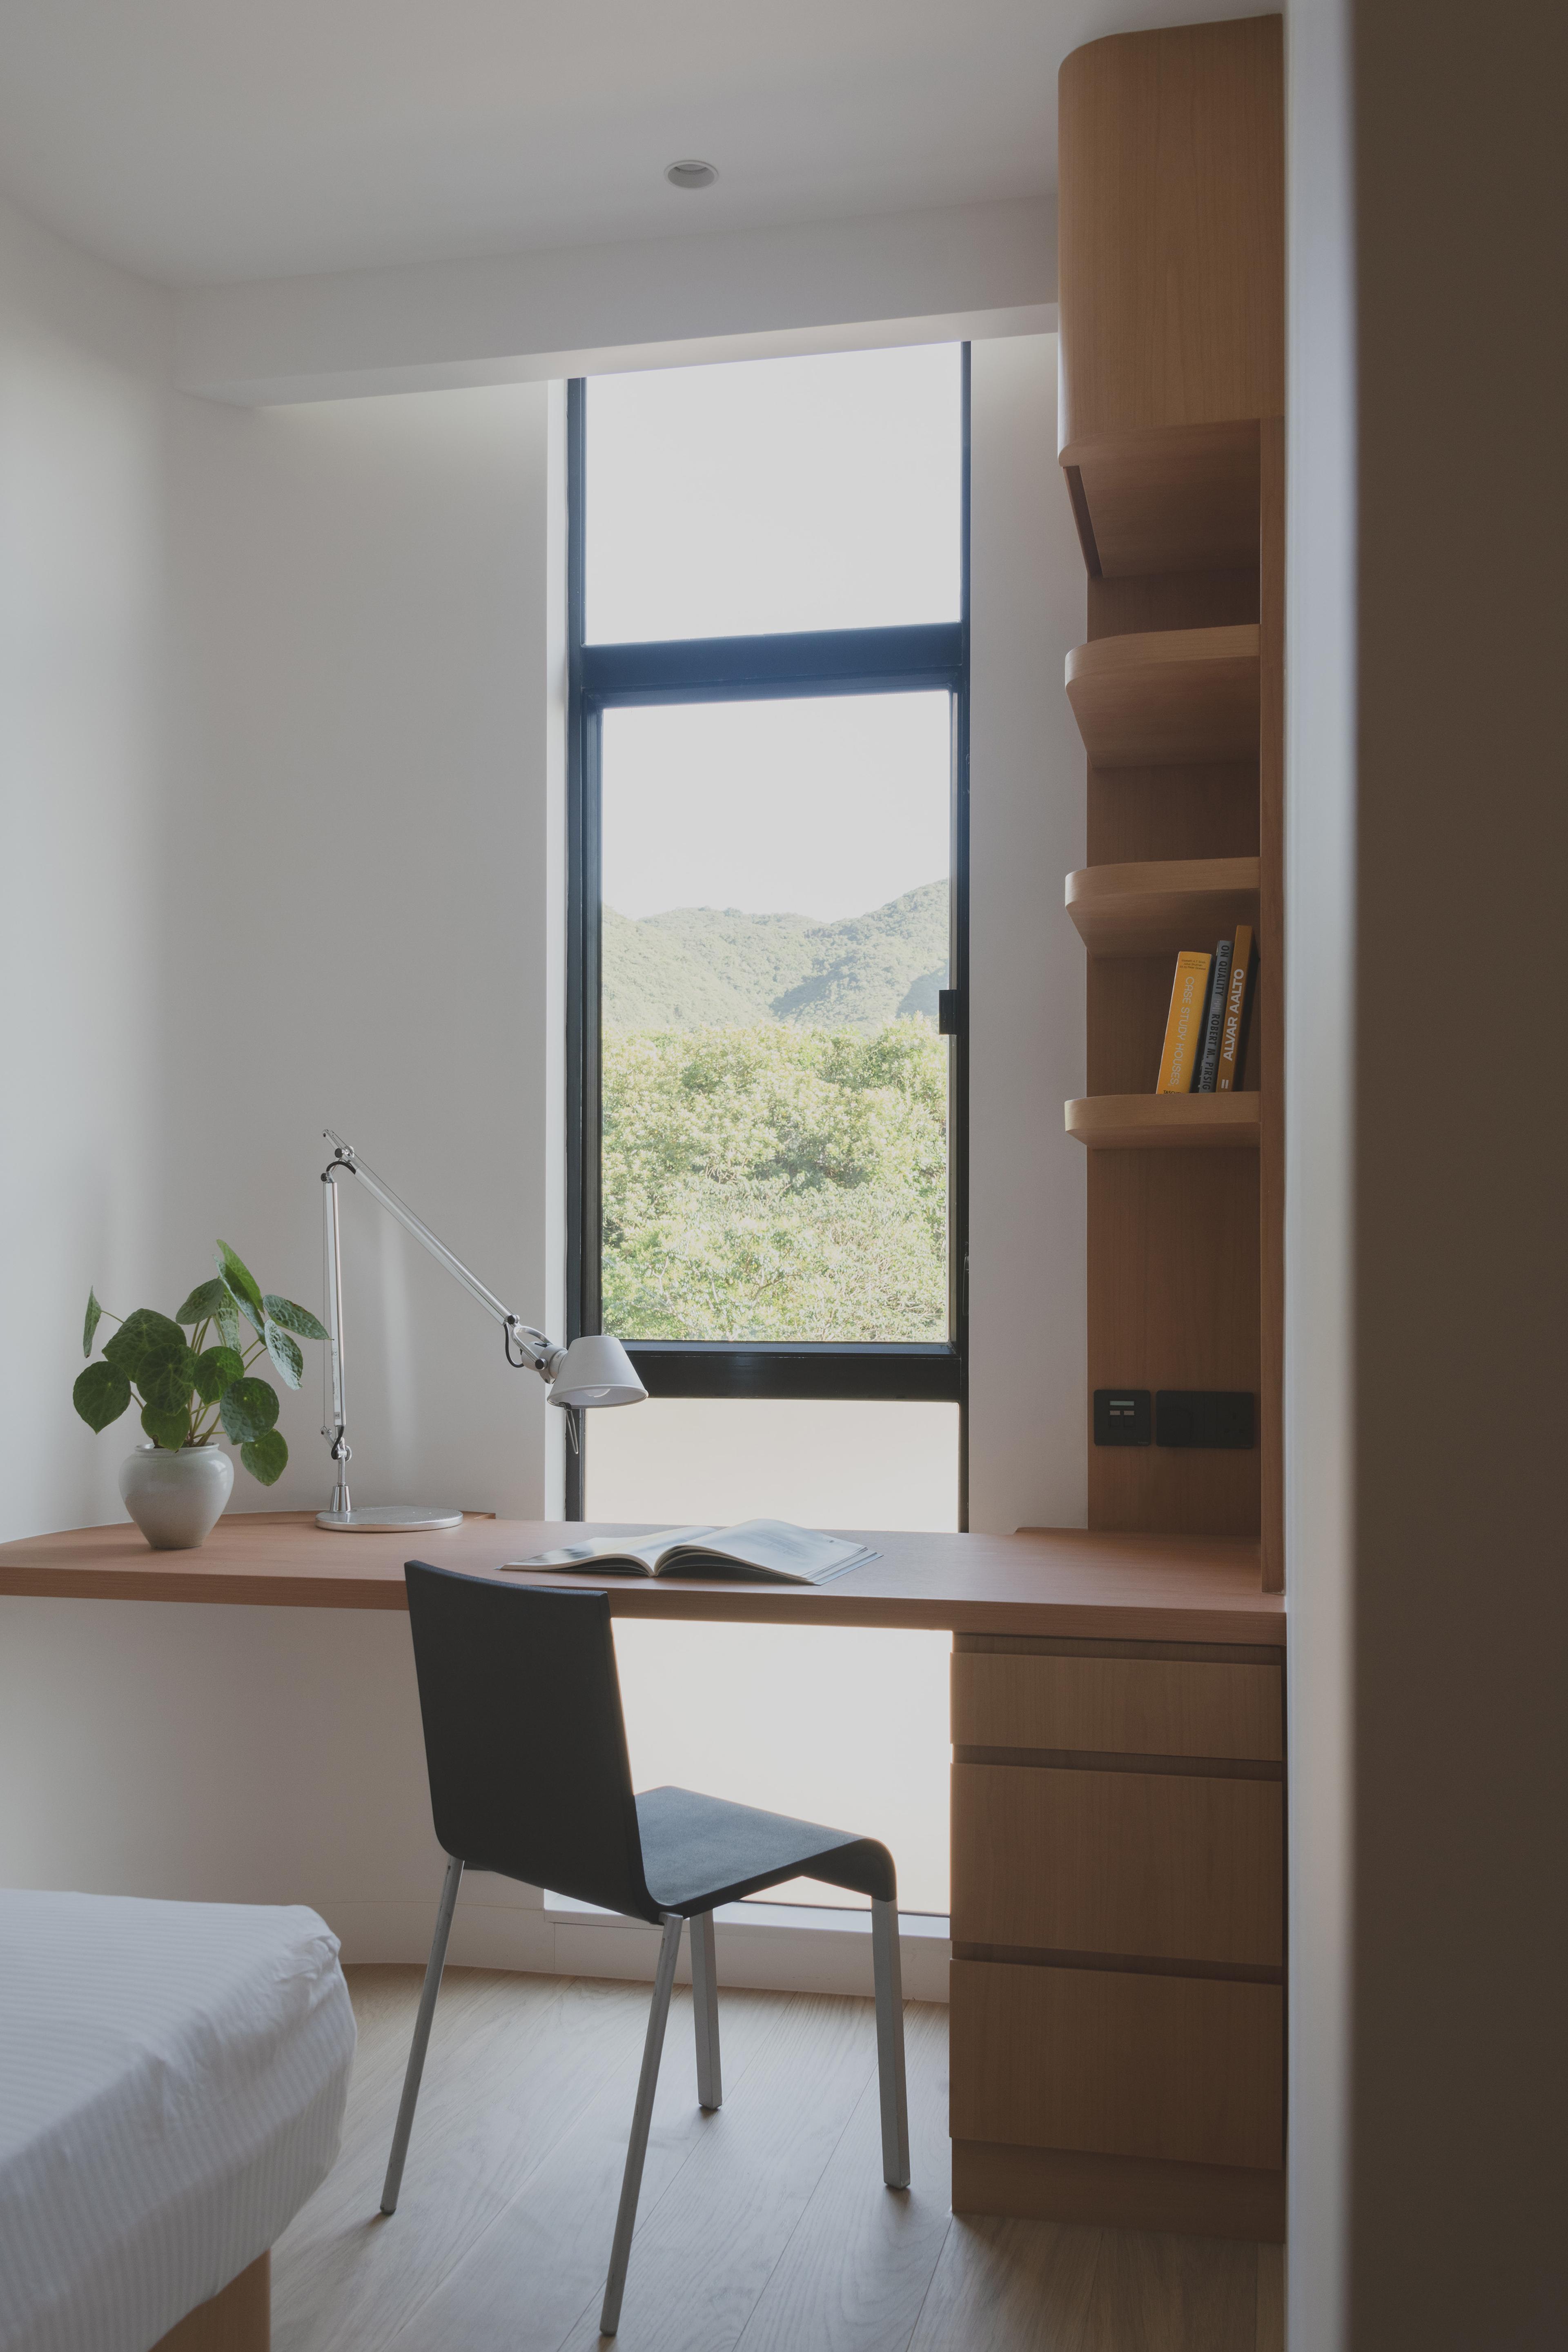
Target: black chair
point(527, 1754)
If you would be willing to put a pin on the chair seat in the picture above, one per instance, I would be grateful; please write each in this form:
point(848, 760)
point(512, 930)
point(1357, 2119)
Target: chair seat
point(699, 1852)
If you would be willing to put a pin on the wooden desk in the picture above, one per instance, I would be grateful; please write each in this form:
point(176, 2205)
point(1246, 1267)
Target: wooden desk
point(1117, 1822)
point(1121, 1587)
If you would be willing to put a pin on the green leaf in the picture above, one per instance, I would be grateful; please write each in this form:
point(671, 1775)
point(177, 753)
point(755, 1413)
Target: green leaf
point(227, 1318)
point(139, 1332)
point(285, 1353)
point(169, 1430)
point(247, 1410)
point(215, 1368)
point(266, 1456)
point(294, 1319)
point(90, 1324)
point(165, 1375)
point(101, 1395)
point(206, 1303)
point(243, 1283)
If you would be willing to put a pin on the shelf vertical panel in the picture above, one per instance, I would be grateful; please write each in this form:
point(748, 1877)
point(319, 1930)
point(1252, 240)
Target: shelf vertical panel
point(1269, 1012)
point(1173, 1303)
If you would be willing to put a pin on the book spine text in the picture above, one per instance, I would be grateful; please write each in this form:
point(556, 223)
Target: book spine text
point(1214, 1027)
point(1184, 1024)
point(1238, 1005)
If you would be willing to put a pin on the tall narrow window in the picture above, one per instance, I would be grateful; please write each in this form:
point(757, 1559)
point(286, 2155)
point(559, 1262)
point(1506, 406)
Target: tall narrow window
point(769, 854)
point(774, 920)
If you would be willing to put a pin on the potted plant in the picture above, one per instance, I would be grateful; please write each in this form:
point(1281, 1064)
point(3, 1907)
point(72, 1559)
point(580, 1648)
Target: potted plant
point(175, 1486)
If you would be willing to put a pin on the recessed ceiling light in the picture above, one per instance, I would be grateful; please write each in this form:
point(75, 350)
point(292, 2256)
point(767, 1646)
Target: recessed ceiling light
point(691, 173)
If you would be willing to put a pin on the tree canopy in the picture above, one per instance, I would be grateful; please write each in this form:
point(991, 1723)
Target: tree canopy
point(775, 1181)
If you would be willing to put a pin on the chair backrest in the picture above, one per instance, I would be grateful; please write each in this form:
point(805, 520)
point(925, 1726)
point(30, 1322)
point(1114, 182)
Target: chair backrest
point(524, 1738)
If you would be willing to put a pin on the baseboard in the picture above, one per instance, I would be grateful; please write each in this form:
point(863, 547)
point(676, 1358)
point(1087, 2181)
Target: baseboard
point(763, 1957)
point(766, 1955)
point(484, 1934)
point(1117, 2192)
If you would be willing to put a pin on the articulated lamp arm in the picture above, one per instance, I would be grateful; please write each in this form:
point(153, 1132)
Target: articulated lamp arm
point(594, 1370)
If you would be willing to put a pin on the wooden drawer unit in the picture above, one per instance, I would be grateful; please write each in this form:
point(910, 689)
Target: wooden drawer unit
point(1008, 1694)
point(1185, 2070)
point(1119, 1932)
point(1159, 1865)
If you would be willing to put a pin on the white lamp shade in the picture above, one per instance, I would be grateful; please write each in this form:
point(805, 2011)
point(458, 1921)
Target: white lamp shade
point(596, 1370)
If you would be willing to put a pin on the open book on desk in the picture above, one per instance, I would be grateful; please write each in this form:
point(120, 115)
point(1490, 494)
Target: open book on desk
point(768, 1551)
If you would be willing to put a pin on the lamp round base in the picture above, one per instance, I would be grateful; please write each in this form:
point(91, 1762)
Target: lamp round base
point(387, 1519)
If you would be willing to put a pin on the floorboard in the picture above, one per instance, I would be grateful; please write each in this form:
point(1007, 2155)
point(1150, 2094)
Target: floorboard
point(1010, 2287)
point(540, 2268)
point(1172, 2295)
point(510, 2060)
point(859, 2263)
point(764, 2228)
point(702, 2256)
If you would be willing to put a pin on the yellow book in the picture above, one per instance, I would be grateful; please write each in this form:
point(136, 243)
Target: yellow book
point(1185, 1023)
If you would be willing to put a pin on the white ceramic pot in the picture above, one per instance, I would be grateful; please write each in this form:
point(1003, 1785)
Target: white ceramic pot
point(176, 1500)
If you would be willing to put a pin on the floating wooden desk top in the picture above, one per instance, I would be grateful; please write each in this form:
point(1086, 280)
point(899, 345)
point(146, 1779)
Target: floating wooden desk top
point(1056, 1580)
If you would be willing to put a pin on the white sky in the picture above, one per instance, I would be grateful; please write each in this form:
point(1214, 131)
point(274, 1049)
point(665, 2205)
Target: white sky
point(775, 493)
point(819, 493)
point(821, 808)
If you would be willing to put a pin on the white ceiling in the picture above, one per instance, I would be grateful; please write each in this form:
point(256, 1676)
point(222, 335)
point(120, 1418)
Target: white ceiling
point(203, 141)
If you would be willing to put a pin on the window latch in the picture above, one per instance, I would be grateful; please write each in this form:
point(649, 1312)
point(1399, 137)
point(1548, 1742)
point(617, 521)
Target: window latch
point(948, 1015)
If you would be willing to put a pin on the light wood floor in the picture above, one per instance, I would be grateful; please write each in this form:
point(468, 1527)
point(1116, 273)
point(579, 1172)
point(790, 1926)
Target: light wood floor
point(766, 2227)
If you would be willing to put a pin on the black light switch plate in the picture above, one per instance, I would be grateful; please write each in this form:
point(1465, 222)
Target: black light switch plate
point(1222, 1418)
point(1123, 1417)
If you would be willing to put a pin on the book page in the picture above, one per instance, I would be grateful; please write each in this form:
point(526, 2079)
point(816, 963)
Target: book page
point(772, 1547)
point(647, 1553)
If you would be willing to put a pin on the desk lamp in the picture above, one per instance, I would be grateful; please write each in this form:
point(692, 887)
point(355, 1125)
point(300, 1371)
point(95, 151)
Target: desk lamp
point(594, 1370)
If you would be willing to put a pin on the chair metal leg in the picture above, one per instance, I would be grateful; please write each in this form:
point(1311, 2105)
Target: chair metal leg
point(705, 2009)
point(889, 1977)
point(642, 2115)
point(421, 2024)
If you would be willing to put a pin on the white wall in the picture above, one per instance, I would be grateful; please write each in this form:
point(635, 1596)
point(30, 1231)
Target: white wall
point(282, 795)
point(1029, 1273)
point(912, 277)
point(282, 809)
point(217, 1753)
point(363, 862)
point(1320, 1389)
point(84, 354)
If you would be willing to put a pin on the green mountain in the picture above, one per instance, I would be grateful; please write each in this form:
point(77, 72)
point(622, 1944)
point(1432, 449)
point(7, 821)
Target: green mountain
point(710, 966)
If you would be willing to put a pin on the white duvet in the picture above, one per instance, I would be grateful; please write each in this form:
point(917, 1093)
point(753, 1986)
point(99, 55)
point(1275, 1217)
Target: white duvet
point(172, 2087)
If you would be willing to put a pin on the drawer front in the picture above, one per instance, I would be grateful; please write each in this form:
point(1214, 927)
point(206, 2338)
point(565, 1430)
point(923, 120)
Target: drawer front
point(1155, 1865)
point(1184, 2069)
point(1121, 1707)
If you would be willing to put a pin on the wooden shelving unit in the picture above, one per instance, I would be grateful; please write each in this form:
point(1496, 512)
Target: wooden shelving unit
point(1168, 698)
point(1162, 905)
point(1171, 440)
point(1066, 2028)
point(1164, 1122)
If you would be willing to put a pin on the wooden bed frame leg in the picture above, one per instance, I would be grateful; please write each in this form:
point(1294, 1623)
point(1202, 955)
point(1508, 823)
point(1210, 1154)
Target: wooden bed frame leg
point(238, 2320)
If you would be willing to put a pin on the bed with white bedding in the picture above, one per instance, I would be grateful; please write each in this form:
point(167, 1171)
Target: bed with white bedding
point(172, 2086)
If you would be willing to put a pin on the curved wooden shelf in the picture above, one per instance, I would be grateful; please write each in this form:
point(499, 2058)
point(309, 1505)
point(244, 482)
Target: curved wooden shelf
point(1164, 1122)
point(1171, 250)
point(1163, 906)
point(1180, 498)
point(1177, 697)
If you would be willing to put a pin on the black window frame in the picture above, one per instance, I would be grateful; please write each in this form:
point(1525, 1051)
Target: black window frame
point(804, 663)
